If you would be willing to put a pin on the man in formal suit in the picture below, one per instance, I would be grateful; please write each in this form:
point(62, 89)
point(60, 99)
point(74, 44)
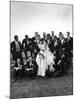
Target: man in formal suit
point(35, 37)
point(61, 41)
point(16, 48)
point(52, 35)
point(52, 41)
point(69, 48)
point(44, 36)
point(55, 50)
point(49, 42)
point(27, 44)
point(60, 54)
point(56, 46)
point(17, 70)
point(31, 68)
point(69, 42)
point(35, 42)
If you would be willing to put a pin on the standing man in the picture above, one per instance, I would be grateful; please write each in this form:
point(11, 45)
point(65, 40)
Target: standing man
point(52, 41)
point(35, 42)
point(26, 45)
point(69, 48)
point(16, 48)
point(35, 37)
point(44, 36)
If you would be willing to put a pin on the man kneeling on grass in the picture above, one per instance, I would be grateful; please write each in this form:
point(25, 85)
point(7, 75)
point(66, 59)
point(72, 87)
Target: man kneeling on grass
point(31, 68)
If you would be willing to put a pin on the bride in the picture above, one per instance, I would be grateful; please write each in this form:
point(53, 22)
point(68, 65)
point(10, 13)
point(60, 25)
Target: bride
point(44, 58)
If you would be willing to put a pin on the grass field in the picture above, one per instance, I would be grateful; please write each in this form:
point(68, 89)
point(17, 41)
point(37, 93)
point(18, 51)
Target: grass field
point(43, 87)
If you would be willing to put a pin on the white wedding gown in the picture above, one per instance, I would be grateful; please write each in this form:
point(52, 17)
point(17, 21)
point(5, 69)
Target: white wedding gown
point(47, 61)
point(41, 65)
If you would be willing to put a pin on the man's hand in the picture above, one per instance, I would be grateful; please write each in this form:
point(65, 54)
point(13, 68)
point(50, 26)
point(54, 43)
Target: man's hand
point(59, 62)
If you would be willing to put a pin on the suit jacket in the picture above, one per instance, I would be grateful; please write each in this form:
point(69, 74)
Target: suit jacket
point(35, 45)
point(27, 43)
point(33, 65)
point(69, 46)
point(13, 46)
point(69, 43)
point(60, 50)
point(33, 39)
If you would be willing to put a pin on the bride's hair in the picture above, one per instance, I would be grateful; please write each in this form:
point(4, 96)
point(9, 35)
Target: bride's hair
point(41, 55)
point(42, 40)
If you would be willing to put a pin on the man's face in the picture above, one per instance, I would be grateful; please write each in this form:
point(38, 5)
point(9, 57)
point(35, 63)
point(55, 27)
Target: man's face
point(48, 36)
point(26, 37)
point(38, 37)
point(16, 38)
point(60, 35)
point(36, 34)
point(68, 34)
point(30, 58)
point(44, 34)
point(18, 61)
point(52, 33)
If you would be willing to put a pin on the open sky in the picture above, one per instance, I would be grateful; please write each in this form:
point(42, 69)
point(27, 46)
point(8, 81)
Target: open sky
point(27, 18)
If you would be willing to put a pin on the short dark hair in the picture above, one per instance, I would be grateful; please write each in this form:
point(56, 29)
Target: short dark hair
point(16, 36)
point(26, 36)
point(60, 33)
point(48, 34)
point(68, 32)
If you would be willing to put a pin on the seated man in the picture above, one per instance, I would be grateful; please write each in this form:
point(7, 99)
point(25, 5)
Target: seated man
point(52, 73)
point(61, 63)
point(24, 67)
point(17, 70)
point(12, 64)
point(31, 68)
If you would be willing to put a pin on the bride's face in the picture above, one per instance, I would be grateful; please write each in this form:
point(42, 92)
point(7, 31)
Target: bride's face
point(42, 42)
point(41, 56)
